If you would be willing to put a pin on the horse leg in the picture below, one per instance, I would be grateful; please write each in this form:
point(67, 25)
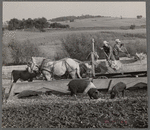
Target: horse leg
point(78, 73)
point(47, 75)
point(73, 74)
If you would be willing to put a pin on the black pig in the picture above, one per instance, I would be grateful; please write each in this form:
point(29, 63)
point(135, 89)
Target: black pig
point(83, 86)
point(119, 87)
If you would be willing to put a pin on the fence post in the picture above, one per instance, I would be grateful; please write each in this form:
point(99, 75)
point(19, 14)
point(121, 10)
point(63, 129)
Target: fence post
point(92, 57)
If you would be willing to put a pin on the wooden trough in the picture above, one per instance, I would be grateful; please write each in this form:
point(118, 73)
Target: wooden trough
point(60, 86)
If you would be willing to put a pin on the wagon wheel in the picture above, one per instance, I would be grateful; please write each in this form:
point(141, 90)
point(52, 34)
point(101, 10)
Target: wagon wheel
point(102, 77)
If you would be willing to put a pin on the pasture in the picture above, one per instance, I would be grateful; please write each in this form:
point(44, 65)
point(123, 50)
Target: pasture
point(63, 111)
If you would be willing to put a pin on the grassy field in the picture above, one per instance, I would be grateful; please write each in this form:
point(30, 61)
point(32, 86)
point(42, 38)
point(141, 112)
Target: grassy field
point(50, 42)
point(106, 22)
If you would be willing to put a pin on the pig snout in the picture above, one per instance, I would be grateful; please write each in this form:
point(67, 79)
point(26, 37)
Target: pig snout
point(93, 93)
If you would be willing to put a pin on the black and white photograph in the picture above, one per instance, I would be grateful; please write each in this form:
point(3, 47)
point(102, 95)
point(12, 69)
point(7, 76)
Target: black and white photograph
point(74, 64)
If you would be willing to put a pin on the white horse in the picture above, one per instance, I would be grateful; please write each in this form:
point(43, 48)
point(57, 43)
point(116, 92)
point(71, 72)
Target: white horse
point(49, 68)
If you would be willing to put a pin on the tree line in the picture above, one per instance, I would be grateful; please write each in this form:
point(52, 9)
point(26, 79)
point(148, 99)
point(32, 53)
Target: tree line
point(38, 23)
point(72, 18)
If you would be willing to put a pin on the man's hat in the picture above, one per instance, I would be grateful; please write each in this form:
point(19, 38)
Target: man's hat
point(117, 40)
point(105, 42)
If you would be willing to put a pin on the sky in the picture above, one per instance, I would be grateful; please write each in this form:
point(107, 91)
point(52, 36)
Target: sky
point(51, 9)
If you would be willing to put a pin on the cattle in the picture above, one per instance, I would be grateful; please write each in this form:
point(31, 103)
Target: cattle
point(116, 89)
point(83, 86)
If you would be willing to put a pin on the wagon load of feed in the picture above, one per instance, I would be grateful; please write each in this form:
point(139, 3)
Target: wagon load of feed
point(125, 64)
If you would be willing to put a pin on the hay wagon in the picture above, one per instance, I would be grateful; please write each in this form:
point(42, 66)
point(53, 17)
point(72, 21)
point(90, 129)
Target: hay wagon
point(130, 68)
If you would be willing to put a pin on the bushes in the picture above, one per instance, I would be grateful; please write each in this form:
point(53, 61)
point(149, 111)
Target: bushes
point(136, 46)
point(58, 25)
point(38, 23)
point(132, 27)
point(78, 46)
point(20, 53)
point(6, 55)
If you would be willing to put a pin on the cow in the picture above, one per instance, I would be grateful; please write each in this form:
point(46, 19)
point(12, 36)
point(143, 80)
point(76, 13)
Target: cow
point(83, 86)
point(116, 89)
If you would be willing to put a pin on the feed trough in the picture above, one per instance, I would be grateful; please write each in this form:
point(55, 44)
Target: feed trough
point(60, 86)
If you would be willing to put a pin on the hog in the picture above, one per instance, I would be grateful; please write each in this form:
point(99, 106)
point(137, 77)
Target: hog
point(83, 86)
point(119, 87)
point(138, 86)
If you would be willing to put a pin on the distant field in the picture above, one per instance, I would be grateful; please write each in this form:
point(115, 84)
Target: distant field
point(38, 37)
point(85, 25)
point(106, 22)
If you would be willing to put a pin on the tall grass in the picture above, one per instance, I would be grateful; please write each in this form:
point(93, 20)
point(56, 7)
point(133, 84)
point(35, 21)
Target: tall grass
point(78, 46)
point(20, 52)
point(75, 45)
point(6, 56)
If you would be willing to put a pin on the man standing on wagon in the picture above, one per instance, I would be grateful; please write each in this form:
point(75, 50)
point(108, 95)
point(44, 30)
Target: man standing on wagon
point(108, 52)
point(117, 48)
point(110, 56)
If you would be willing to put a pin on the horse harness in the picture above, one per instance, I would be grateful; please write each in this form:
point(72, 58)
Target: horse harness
point(52, 70)
point(69, 66)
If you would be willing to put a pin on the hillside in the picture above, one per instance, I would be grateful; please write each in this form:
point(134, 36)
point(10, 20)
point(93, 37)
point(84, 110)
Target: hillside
point(105, 22)
point(72, 18)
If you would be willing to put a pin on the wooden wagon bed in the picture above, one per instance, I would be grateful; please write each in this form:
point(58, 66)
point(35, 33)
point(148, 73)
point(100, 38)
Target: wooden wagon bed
point(129, 67)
